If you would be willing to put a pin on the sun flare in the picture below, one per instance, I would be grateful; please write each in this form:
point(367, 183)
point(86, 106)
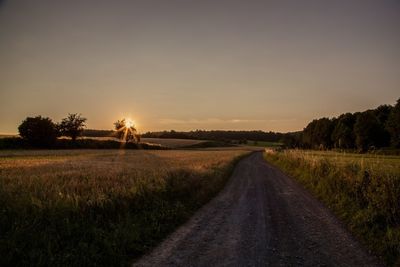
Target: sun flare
point(129, 123)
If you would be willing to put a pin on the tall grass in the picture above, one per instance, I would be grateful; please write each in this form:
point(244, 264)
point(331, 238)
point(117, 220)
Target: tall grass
point(364, 191)
point(100, 208)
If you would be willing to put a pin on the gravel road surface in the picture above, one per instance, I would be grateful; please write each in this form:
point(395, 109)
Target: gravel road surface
point(261, 218)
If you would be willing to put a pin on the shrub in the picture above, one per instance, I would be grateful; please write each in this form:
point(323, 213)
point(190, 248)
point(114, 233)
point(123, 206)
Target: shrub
point(38, 131)
point(72, 126)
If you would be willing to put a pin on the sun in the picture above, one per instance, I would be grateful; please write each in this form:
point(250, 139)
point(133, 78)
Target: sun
point(129, 123)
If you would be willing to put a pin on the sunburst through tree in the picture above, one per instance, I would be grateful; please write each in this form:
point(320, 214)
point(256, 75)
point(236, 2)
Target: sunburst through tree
point(126, 131)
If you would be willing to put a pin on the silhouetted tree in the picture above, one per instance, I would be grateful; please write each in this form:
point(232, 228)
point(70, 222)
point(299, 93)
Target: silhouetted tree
point(218, 135)
point(382, 113)
point(317, 134)
point(72, 126)
point(38, 131)
point(125, 131)
point(343, 134)
point(393, 125)
point(292, 140)
point(367, 130)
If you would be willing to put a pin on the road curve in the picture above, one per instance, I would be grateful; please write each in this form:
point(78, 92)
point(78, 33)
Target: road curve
point(261, 218)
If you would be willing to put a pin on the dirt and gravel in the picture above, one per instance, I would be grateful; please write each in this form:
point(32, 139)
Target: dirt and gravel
point(261, 218)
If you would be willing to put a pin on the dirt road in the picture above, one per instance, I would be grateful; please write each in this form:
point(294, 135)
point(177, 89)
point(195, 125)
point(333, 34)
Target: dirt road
point(261, 218)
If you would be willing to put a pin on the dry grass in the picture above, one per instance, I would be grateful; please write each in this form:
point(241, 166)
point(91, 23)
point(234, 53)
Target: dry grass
point(92, 175)
point(387, 164)
point(100, 207)
point(362, 189)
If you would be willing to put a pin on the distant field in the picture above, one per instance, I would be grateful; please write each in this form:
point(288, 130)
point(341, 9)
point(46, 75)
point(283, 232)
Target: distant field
point(177, 143)
point(168, 142)
point(173, 143)
point(8, 135)
point(100, 207)
point(264, 144)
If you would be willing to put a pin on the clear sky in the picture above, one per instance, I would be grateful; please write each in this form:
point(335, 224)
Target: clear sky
point(268, 65)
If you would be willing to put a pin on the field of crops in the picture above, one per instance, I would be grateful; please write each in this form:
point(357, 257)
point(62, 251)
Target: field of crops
point(362, 189)
point(263, 144)
point(167, 142)
point(172, 143)
point(103, 207)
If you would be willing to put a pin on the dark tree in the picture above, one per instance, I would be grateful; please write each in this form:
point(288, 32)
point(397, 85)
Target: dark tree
point(38, 131)
point(393, 125)
point(72, 126)
point(367, 130)
point(317, 134)
point(308, 136)
point(292, 140)
point(382, 113)
point(126, 131)
point(343, 134)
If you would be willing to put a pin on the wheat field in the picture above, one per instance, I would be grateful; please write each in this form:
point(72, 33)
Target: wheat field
point(100, 207)
point(93, 174)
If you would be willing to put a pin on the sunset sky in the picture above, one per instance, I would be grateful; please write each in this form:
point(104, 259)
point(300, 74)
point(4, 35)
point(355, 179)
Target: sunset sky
point(267, 65)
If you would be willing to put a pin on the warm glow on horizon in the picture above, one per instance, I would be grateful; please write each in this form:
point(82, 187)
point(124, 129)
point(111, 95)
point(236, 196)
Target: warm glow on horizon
point(127, 127)
point(250, 65)
point(129, 123)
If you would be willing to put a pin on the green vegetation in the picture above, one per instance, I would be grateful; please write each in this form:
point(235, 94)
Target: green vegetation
point(363, 190)
point(100, 207)
point(84, 143)
point(225, 136)
point(209, 144)
point(172, 143)
point(264, 144)
point(364, 131)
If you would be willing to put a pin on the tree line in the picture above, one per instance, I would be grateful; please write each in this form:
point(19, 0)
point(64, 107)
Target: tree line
point(219, 135)
point(368, 130)
point(374, 128)
point(43, 132)
point(371, 129)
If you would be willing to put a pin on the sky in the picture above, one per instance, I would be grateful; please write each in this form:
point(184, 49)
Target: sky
point(186, 65)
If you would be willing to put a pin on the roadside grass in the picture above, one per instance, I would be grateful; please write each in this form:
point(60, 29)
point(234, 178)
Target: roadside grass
point(363, 191)
point(100, 207)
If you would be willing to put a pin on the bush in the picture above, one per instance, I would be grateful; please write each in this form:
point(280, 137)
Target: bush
point(38, 131)
point(13, 143)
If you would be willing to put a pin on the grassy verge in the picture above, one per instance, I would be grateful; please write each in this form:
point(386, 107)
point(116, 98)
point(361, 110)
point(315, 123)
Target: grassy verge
point(366, 198)
point(80, 210)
